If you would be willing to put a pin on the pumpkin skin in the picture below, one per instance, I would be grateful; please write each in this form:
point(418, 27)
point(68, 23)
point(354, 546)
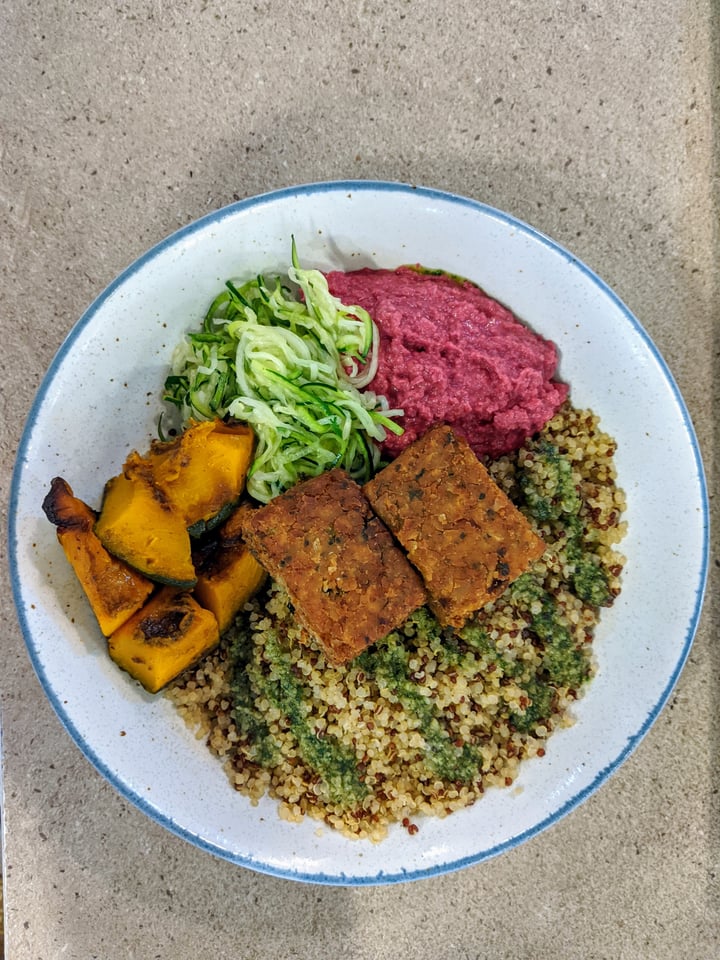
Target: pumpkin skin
point(138, 524)
point(114, 590)
point(162, 639)
point(202, 472)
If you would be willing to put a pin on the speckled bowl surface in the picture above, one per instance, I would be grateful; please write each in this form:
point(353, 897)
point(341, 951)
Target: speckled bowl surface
point(101, 397)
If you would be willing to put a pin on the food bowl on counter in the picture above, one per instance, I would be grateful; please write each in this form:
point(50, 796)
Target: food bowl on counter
point(102, 397)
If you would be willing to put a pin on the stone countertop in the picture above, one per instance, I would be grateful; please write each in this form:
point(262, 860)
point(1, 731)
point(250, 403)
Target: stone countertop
point(591, 121)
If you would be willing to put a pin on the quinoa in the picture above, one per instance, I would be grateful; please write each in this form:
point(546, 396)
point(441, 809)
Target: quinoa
point(427, 719)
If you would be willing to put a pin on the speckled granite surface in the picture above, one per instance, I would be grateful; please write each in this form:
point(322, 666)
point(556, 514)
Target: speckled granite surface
point(592, 121)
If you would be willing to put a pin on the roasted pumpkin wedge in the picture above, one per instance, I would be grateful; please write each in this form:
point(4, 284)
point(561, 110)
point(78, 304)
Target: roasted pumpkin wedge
point(164, 638)
point(228, 575)
point(140, 525)
point(114, 590)
point(202, 472)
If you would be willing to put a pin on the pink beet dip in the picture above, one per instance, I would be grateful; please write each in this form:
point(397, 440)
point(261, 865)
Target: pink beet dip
point(450, 354)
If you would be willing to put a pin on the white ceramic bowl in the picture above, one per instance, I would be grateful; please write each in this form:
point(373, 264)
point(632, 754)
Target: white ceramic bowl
point(100, 398)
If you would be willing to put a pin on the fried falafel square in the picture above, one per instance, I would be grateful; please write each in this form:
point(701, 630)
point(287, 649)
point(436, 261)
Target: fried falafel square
point(461, 532)
point(348, 580)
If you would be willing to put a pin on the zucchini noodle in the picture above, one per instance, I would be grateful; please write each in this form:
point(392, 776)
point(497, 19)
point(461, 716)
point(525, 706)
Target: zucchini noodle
point(295, 365)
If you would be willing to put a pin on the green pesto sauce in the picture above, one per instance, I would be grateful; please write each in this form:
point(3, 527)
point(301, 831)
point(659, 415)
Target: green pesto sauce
point(566, 665)
point(539, 709)
point(589, 580)
point(388, 661)
point(548, 467)
point(446, 645)
point(437, 272)
point(334, 763)
point(540, 693)
point(264, 751)
point(482, 645)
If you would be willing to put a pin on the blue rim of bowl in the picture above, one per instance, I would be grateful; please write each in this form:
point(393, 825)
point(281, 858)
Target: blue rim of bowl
point(352, 186)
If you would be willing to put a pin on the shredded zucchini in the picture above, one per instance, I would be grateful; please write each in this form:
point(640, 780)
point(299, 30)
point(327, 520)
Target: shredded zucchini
point(295, 365)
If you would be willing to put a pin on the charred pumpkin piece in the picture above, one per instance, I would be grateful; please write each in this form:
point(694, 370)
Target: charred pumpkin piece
point(203, 471)
point(114, 590)
point(170, 633)
point(138, 524)
point(228, 575)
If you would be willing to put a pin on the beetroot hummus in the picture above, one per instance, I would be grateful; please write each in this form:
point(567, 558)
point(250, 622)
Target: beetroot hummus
point(450, 354)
